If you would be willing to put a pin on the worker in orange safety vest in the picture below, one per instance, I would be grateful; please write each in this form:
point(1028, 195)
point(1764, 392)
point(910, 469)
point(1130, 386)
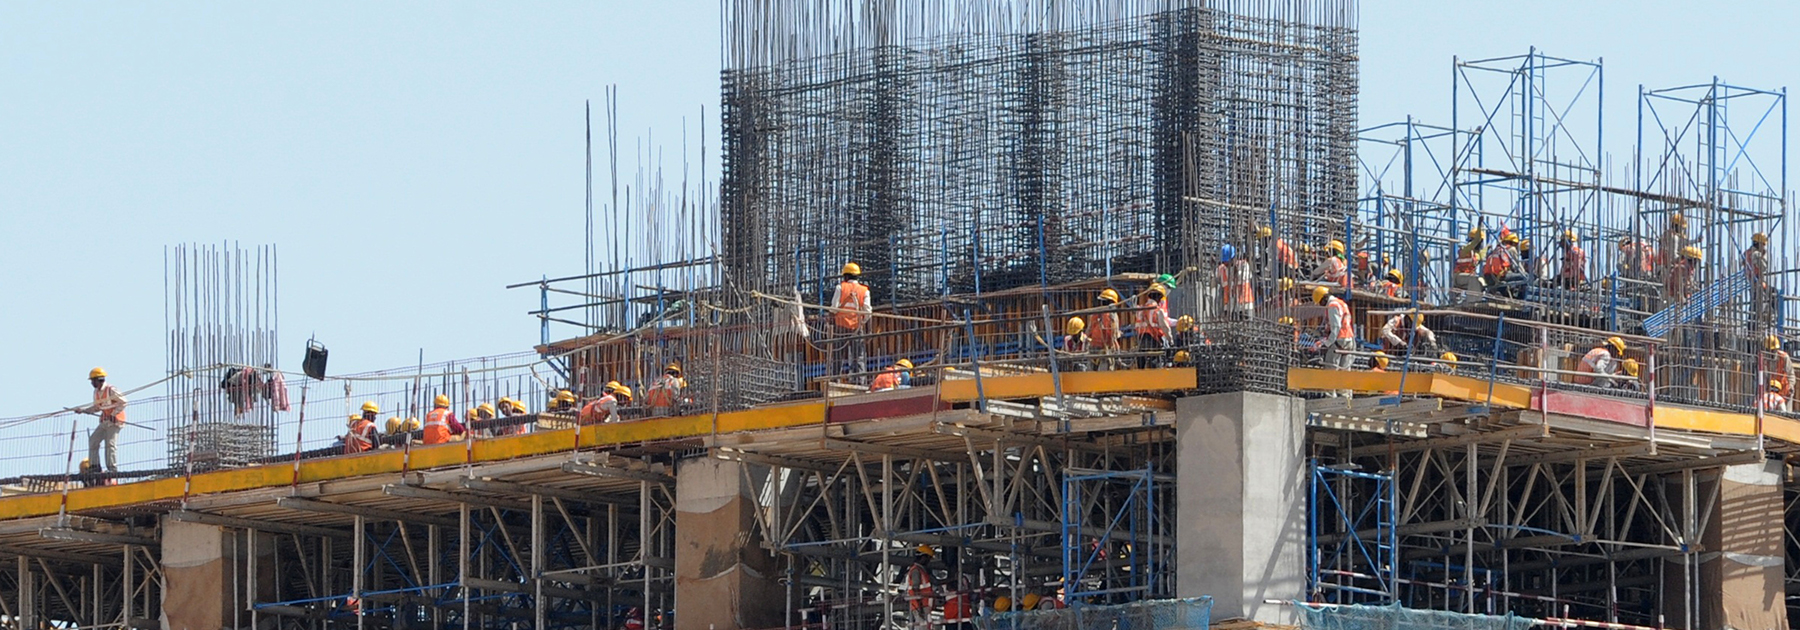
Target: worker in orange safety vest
point(664, 395)
point(1151, 321)
point(850, 313)
point(920, 589)
point(1574, 261)
point(361, 436)
point(1602, 363)
point(441, 425)
point(1333, 269)
point(1105, 330)
point(1278, 258)
point(602, 409)
point(1234, 283)
point(895, 376)
point(1777, 363)
point(110, 406)
point(1340, 328)
point(1772, 400)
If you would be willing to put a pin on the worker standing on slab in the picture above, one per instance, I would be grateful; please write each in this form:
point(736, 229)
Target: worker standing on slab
point(1678, 285)
point(1234, 284)
point(1278, 259)
point(109, 405)
point(1600, 364)
point(1393, 284)
point(602, 409)
point(1573, 273)
point(664, 395)
point(1777, 364)
point(1468, 264)
point(896, 376)
point(920, 589)
point(1395, 335)
point(1763, 301)
point(1636, 258)
point(1152, 324)
point(1106, 333)
point(1340, 328)
point(441, 425)
point(851, 312)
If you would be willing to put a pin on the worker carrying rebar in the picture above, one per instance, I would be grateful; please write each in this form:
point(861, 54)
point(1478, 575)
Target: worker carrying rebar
point(851, 312)
point(1333, 269)
point(921, 589)
point(441, 425)
point(664, 395)
point(109, 405)
point(1277, 257)
point(896, 376)
point(1772, 400)
point(1396, 335)
point(362, 435)
point(1234, 283)
point(1573, 273)
point(602, 409)
point(1105, 330)
point(1601, 364)
point(1678, 285)
point(1777, 363)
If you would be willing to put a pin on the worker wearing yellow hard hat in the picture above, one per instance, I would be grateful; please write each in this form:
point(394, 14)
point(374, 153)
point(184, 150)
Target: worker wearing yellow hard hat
point(109, 405)
point(851, 311)
point(895, 376)
point(441, 424)
point(1340, 329)
point(1075, 339)
point(666, 392)
point(362, 435)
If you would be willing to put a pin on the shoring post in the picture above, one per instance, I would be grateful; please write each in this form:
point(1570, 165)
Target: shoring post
point(887, 541)
point(1050, 348)
point(250, 591)
point(975, 360)
point(127, 587)
point(1494, 361)
point(539, 608)
point(462, 560)
point(1312, 529)
point(358, 526)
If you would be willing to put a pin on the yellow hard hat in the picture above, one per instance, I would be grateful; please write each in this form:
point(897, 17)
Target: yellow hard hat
point(1617, 344)
point(1569, 235)
point(412, 424)
point(1381, 359)
point(673, 367)
point(1418, 319)
point(1264, 232)
point(1447, 356)
point(1510, 237)
point(1772, 342)
point(622, 391)
point(1631, 367)
point(472, 415)
point(1396, 276)
point(904, 364)
point(1335, 247)
point(852, 269)
point(394, 424)
point(1692, 252)
point(1109, 296)
point(925, 550)
point(97, 373)
point(440, 401)
point(1774, 384)
point(352, 420)
point(1286, 284)
point(1285, 321)
point(1029, 601)
point(1759, 238)
point(1185, 323)
point(1677, 220)
point(1182, 356)
point(1306, 248)
point(1319, 294)
point(370, 406)
point(1002, 603)
point(1477, 235)
point(1158, 289)
point(486, 408)
point(505, 403)
point(610, 387)
point(563, 395)
point(1075, 326)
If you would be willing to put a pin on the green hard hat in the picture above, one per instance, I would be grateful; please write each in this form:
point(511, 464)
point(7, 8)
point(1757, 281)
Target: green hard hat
point(1166, 280)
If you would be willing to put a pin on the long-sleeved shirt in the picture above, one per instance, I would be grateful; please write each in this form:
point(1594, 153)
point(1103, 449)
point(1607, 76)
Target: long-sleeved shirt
point(109, 404)
point(852, 300)
point(1395, 326)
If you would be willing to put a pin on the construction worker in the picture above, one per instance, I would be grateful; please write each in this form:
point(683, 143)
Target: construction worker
point(1772, 400)
point(1763, 302)
point(362, 435)
point(1574, 261)
point(563, 402)
point(1379, 362)
point(1187, 332)
point(1075, 339)
point(1776, 363)
point(895, 376)
point(1468, 263)
point(1392, 284)
point(1278, 258)
point(1333, 268)
point(1340, 328)
point(1503, 270)
point(109, 405)
point(920, 589)
point(370, 411)
point(1447, 362)
point(1182, 359)
point(602, 409)
point(1636, 258)
point(1678, 285)
point(1602, 363)
point(1289, 321)
point(1234, 284)
point(485, 414)
point(393, 429)
point(850, 314)
point(1632, 370)
point(1395, 335)
point(1674, 237)
point(664, 395)
point(1104, 338)
point(508, 408)
point(441, 424)
point(1152, 324)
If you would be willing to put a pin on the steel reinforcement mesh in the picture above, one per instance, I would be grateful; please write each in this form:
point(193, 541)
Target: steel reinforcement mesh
point(948, 153)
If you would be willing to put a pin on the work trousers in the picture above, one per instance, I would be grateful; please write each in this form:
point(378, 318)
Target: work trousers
point(107, 433)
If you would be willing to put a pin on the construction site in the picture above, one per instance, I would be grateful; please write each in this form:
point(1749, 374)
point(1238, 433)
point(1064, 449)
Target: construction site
point(1158, 335)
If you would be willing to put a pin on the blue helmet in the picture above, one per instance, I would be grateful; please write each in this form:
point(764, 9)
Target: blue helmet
point(1227, 253)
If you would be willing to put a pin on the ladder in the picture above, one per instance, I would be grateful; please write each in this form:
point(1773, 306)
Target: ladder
point(1699, 305)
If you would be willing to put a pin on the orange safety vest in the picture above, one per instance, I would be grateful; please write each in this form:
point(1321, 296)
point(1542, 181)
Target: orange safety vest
point(359, 439)
point(1590, 362)
point(1468, 258)
point(1771, 401)
point(1346, 328)
point(887, 379)
point(437, 426)
point(1497, 263)
point(596, 412)
point(1106, 329)
point(1390, 288)
point(918, 588)
point(1335, 271)
point(1285, 255)
point(1574, 264)
point(1234, 280)
point(1779, 367)
point(852, 297)
point(663, 392)
point(105, 393)
point(1152, 317)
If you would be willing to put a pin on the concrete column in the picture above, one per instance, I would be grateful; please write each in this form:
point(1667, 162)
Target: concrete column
point(1744, 582)
point(196, 570)
point(1241, 503)
point(724, 580)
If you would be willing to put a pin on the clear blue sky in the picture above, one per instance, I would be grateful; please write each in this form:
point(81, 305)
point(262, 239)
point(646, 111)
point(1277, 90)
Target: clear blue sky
point(411, 158)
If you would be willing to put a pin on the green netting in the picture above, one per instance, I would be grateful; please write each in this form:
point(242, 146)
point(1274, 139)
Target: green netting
point(1165, 614)
point(1395, 617)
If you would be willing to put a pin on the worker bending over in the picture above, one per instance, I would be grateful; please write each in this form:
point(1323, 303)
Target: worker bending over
point(1340, 328)
point(896, 376)
point(1396, 336)
point(1600, 364)
point(1772, 400)
point(851, 311)
point(1777, 364)
point(1392, 284)
point(441, 424)
point(664, 395)
point(110, 406)
point(1234, 284)
point(1333, 268)
point(1504, 270)
point(602, 409)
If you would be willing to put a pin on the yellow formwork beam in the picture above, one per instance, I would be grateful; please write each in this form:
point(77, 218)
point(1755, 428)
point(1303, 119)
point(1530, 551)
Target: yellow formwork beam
point(1073, 383)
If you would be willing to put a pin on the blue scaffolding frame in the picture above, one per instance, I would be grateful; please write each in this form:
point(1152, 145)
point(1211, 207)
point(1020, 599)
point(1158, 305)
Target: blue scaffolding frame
point(1352, 568)
point(1089, 570)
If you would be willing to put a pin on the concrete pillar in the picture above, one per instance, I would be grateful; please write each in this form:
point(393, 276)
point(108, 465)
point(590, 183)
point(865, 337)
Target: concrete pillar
point(724, 580)
point(1241, 503)
point(197, 571)
point(1744, 582)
